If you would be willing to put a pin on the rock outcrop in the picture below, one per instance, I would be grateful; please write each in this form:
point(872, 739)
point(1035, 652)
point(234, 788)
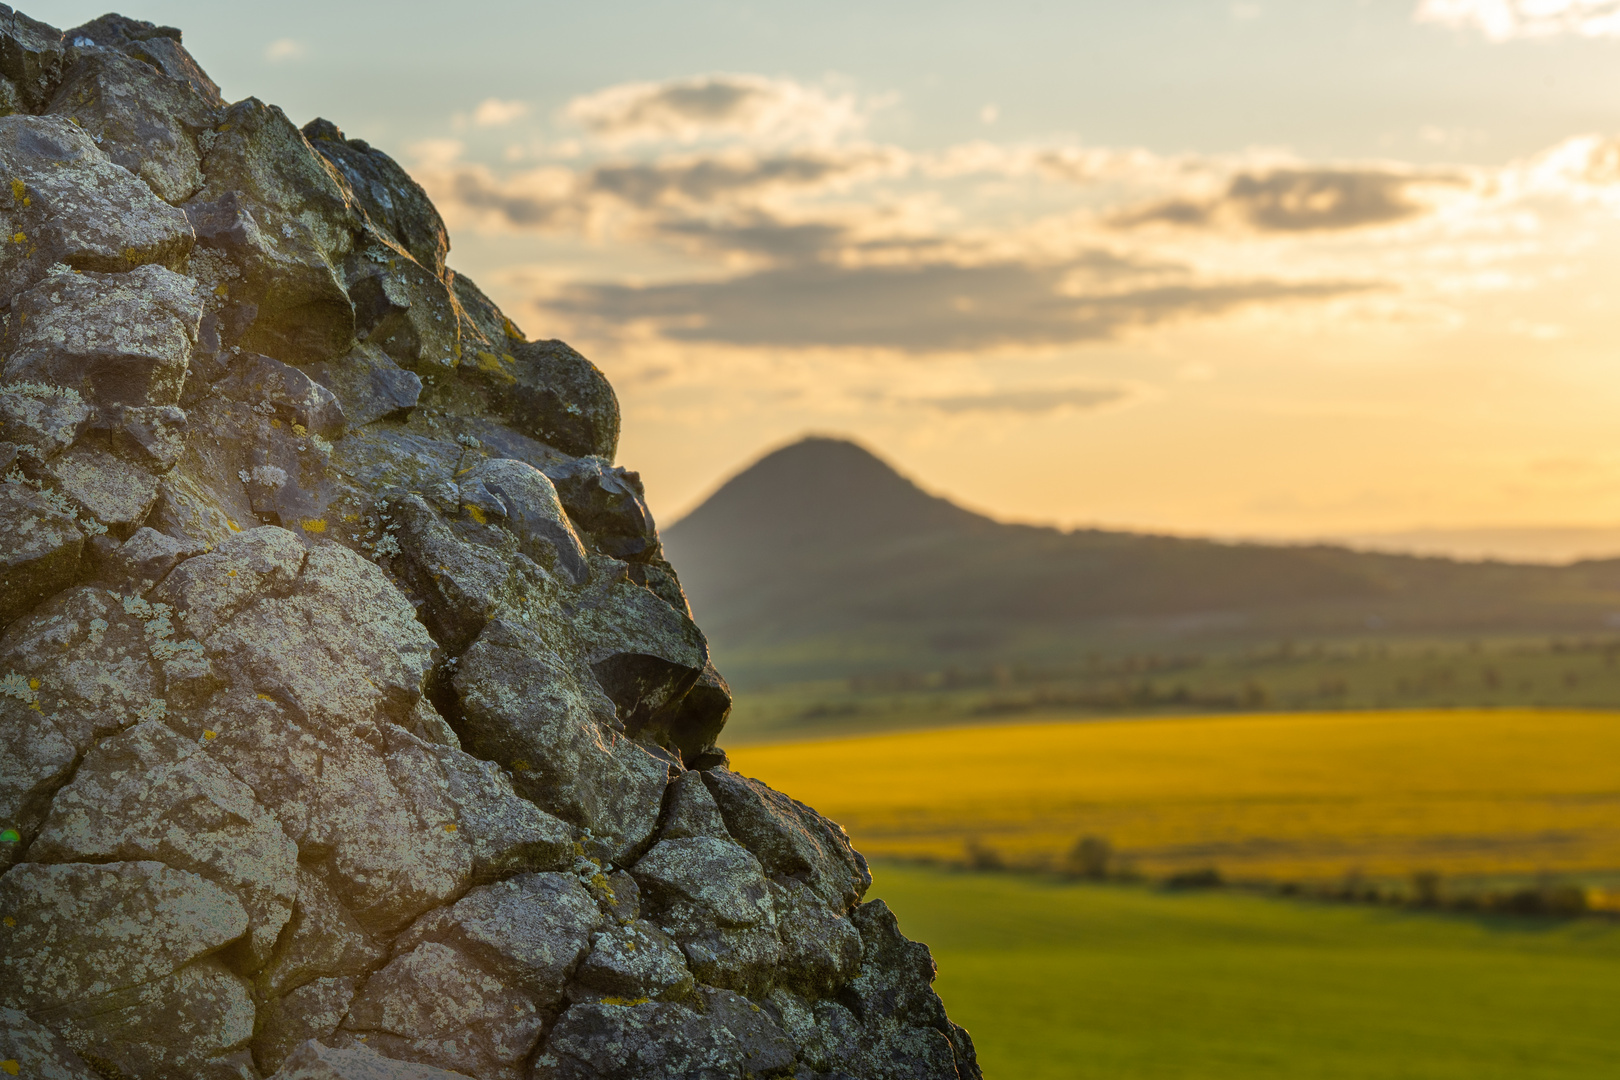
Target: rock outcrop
point(352, 723)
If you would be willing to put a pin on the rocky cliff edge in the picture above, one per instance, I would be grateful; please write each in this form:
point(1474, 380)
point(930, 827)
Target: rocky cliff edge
point(352, 723)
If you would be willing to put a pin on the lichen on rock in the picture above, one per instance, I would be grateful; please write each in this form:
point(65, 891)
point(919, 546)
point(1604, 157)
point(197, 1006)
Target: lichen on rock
point(353, 725)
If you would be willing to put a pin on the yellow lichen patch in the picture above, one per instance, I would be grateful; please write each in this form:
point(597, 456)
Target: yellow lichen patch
point(351, 518)
point(512, 331)
point(20, 238)
point(265, 697)
point(509, 358)
point(450, 827)
point(131, 255)
point(9, 921)
point(300, 430)
point(10, 1064)
point(520, 766)
point(274, 422)
point(233, 526)
point(477, 514)
point(221, 290)
point(625, 1001)
point(489, 363)
point(314, 525)
point(230, 573)
point(210, 735)
point(578, 848)
point(19, 190)
point(33, 684)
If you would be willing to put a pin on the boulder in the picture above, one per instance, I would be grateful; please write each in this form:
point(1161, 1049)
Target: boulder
point(711, 897)
point(609, 504)
point(630, 964)
point(395, 203)
point(146, 794)
point(40, 545)
point(70, 205)
point(368, 385)
point(556, 395)
point(648, 1041)
point(520, 705)
point(791, 839)
point(115, 338)
point(42, 419)
point(142, 118)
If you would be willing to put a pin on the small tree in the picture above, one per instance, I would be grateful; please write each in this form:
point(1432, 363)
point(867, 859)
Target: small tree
point(1426, 888)
point(981, 856)
point(1091, 857)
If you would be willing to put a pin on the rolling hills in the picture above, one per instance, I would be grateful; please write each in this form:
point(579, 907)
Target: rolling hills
point(821, 561)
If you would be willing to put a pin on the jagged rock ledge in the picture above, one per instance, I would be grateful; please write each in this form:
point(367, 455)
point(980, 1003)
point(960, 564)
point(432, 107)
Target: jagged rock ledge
point(352, 723)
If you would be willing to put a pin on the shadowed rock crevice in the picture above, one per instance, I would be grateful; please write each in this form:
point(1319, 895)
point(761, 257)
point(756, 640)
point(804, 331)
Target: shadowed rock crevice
point(352, 721)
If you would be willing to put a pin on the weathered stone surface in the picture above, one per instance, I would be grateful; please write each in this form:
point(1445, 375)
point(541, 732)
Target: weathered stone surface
point(710, 896)
point(532, 930)
point(650, 1041)
point(156, 45)
point(609, 503)
point(35, 1051)
point(71, 205)
point(821, 950)
point(81, 931)
point(689, 810)
point(905, 1030)
point(369, 385)
point(42, 420)
point(291, 394)
point(104, 487)
point(146, 794)
point(507, 834)
point(463, 585)
point(437, 1006)
point(534, 513)
point(562, 399)
point(766, 1049)
point(277, 213)
point(40, 545)
point(346, 695)
point(522, 707)
point(695, 722)
point(394, 202)
point(321, 940)
point(313, 1011)
point(314, 1061)
point(143, 119)
point(791, 839)
point(92, 659)
point(115, 338)
point(152, 436)
point(400, 306)
point(630, 964)
point(146, 558)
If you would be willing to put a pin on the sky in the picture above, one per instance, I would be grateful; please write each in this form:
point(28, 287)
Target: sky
point(1259, 269)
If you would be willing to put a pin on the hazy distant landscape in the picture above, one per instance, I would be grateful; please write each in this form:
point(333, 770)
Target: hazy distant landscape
point(840, 597)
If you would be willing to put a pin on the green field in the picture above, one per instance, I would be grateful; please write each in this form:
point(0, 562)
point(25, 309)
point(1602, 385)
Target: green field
point(1128, 983)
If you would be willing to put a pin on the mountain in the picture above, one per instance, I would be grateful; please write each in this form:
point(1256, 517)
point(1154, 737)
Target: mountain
point(821, 559)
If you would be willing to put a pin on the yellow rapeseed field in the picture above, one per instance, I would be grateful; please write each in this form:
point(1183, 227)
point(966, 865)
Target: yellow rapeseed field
point(1276, 796)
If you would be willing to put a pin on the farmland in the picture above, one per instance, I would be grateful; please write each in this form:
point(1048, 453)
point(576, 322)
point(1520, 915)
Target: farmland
point(1465, 793)
point(1132, 983)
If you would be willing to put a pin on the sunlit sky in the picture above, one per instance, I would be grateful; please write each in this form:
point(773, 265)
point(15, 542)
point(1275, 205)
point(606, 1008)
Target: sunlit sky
point(1267, 269)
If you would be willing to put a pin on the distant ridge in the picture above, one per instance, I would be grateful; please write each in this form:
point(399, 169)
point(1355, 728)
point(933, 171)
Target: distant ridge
point(823, 541)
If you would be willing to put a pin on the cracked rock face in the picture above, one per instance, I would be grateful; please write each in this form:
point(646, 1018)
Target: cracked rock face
point(352, 724)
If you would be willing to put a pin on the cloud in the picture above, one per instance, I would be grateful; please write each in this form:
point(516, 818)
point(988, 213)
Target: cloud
point(1033, 401)
point(283, 49)
point(1295, 200)
point(920, 309)
point(493, 112)
point(716, 105)
point(1503, 20)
